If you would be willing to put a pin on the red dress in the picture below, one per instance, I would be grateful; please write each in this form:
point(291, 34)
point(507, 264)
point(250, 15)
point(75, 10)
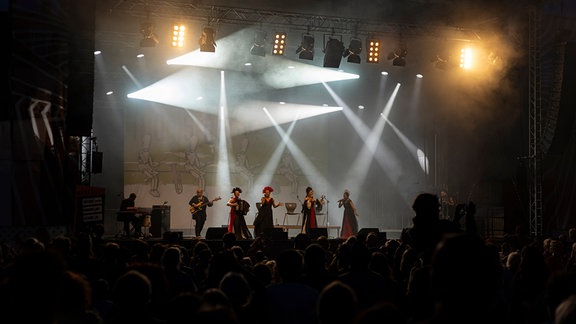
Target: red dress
point(349, 221)
point(309, 216)
point(232, 217)
point(237, 223)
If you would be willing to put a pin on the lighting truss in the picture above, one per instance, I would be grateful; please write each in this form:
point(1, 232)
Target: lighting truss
point(191, 10)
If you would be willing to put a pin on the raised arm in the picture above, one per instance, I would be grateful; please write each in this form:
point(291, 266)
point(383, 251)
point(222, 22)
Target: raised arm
point(276, 205)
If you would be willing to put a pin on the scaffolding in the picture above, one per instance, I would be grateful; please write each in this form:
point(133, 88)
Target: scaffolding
point(88, 145)
point(535, 124)
point(213, 14)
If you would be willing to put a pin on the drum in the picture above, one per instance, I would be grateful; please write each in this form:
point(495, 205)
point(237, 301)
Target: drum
point(147, 221)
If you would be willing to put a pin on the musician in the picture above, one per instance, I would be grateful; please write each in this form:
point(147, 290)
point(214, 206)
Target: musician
point(447, 205)
point(199, 203)
point(238, 209)
point(309, 208)
point(265, 219)
point(349, 221)
point(129, 205)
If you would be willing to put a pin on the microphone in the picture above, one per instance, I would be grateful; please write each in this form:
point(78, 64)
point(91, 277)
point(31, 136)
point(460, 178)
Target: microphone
point(298, 197)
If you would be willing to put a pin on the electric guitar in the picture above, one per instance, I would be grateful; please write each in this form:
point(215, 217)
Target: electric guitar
point(198, 207)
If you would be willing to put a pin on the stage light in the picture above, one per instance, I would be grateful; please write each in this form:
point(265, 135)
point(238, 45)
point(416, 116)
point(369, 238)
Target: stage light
point(333, 52)
point(207, 42)
point(399, 61)
point(178, 32)
point(373, 55)
point(149, 39)
point(353, 51)
point(443, 63)
point(466, 58)
point(279, 43)
point(398, 56)
point(258, 45)
point(306, 49)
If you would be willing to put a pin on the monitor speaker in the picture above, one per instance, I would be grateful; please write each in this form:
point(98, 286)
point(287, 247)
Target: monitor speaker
point(216, 233)
point(365, 231)
point(275, 234)
point(315, 233)
point(97, 162)
point(160, 220)
point(173, 236)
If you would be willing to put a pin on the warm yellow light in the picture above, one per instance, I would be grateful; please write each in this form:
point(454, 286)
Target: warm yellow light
point(466, 59)
point(279, 43)
point(178, 35)
point(373, 49)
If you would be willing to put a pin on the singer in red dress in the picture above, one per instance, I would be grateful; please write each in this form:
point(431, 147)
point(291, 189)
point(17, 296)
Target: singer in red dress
point(349, 221)
point(309, 208)
point(238, 209)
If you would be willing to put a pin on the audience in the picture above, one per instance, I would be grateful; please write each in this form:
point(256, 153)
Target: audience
point(436, 272)
point(337, 303)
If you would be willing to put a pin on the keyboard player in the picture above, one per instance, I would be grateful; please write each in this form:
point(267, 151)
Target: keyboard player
point(128, 213)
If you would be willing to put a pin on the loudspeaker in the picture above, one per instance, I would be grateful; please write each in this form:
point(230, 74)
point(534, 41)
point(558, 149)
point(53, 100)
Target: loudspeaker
point(275, 234)
point(160, 220)
point(173, 236)
point(97, 162)
point(216, 233)
point(365, 231)
point(79, 112)
point(315, 233)
point(566, 112)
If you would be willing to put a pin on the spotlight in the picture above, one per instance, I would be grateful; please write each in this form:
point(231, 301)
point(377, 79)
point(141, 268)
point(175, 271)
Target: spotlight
point(333, 52)
point(353, 51)
point(442, 63)
point(398, 56)
point(207, 43)
point(373, 50)
point(466, 57)
point(258, 46)
point(306, 49)
point(149, 39)
point(178, 35)
point(279, 43)
point(399, 61)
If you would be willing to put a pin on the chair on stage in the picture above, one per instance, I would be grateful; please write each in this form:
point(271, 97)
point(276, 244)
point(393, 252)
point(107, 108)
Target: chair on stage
point(290, 207)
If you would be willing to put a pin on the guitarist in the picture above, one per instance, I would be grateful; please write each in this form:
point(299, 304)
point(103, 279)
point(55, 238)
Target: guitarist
point(197, 206)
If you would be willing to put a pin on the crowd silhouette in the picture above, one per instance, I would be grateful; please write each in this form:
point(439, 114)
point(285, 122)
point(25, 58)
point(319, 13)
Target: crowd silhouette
point(437, 272)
